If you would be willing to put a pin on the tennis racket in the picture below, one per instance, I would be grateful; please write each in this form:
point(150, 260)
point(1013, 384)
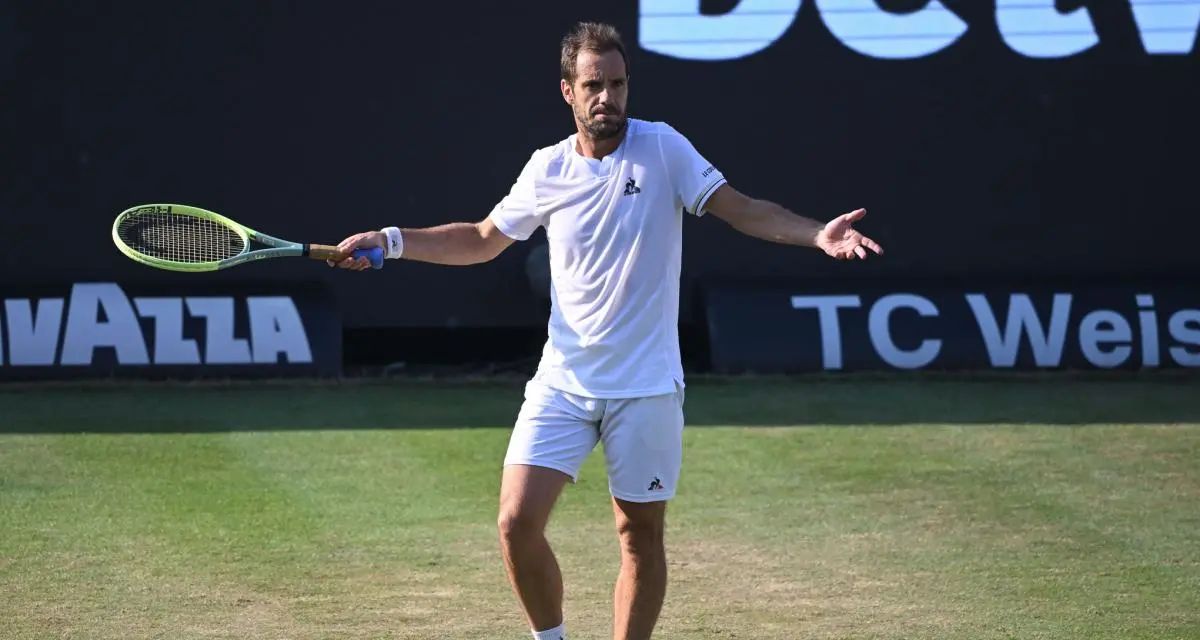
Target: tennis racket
point(177, 237)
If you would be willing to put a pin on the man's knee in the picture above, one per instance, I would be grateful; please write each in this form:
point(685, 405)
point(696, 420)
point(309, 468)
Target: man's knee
point(516, 525)
point(527, 494)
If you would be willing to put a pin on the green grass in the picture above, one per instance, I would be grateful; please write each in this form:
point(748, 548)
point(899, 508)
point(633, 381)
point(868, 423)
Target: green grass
point(809, 508)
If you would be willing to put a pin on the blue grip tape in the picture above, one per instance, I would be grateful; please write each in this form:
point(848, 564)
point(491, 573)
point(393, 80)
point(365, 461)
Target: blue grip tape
point(374, 254)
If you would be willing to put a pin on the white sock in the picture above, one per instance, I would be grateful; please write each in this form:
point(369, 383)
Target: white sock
point(557, 633)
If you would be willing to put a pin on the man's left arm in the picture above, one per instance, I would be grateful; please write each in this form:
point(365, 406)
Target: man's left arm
point(768, 221)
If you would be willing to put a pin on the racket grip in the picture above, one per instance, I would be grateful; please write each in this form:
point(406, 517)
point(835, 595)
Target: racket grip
point(374, 255)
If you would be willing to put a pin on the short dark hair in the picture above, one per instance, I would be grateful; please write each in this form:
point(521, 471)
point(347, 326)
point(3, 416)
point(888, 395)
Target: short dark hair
point(596, 37)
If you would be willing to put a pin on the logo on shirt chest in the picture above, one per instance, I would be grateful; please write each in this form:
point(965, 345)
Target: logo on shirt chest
point(631, 188)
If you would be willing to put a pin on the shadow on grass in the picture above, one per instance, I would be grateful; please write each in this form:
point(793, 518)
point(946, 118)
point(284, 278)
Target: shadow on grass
point(139, 407)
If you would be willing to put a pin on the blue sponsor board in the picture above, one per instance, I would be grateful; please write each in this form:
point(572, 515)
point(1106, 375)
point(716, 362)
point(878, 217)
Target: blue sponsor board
point(1029, 28)
point(100, 329)
point(781, 328)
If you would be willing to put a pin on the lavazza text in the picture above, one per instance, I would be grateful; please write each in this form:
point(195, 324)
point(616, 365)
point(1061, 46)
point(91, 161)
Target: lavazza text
point(101, 315)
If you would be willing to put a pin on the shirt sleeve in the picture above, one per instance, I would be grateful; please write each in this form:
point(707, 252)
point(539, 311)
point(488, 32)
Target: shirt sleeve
point(516, 214)
point(693, 178)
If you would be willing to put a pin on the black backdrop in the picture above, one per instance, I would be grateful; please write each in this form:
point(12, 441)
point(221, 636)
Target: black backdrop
point(312, 120)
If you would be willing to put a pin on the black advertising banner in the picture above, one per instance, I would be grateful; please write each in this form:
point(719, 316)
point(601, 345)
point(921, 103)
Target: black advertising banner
point(103, 329)
point(1040, 135)
point(923, 326)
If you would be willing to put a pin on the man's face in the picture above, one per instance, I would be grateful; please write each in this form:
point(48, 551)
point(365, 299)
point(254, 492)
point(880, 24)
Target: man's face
point(599, 93)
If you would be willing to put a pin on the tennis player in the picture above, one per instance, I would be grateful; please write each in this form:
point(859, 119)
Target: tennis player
point(612, 199)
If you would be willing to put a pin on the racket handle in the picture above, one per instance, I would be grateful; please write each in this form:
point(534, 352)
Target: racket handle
point(374, 255)
point(329, 252)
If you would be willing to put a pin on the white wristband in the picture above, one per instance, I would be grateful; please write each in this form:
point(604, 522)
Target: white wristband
point(395, 242)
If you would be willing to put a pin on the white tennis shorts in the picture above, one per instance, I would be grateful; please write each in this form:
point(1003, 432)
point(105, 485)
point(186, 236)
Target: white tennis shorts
point(643, 438)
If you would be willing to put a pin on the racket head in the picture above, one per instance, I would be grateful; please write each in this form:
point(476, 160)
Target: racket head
point(179, 237)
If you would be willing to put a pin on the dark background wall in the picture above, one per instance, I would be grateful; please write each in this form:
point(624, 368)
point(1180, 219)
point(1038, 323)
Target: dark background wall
point(313, 120)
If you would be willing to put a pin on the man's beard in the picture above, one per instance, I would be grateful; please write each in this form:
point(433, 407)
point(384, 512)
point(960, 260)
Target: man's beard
point(604, 129)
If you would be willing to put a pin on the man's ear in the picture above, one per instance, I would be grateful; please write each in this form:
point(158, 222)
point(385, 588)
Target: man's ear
point(567, 93)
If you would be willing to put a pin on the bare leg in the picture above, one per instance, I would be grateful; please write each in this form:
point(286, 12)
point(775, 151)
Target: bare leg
point(527, 494)
point(638, 596)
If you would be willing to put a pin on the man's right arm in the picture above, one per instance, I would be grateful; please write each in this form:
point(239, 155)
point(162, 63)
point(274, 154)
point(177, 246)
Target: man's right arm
point(458, 243)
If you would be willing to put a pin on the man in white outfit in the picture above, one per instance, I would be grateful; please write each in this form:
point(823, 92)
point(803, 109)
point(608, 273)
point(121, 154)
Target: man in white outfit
point(612, 198)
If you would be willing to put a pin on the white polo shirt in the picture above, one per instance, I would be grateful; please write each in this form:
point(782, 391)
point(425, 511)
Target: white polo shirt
point(615, 230)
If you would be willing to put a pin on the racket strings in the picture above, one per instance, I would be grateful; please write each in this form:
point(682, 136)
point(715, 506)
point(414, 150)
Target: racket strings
point(179, 238)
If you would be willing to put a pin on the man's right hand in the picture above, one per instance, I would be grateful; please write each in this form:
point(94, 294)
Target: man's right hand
point(366, 240)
